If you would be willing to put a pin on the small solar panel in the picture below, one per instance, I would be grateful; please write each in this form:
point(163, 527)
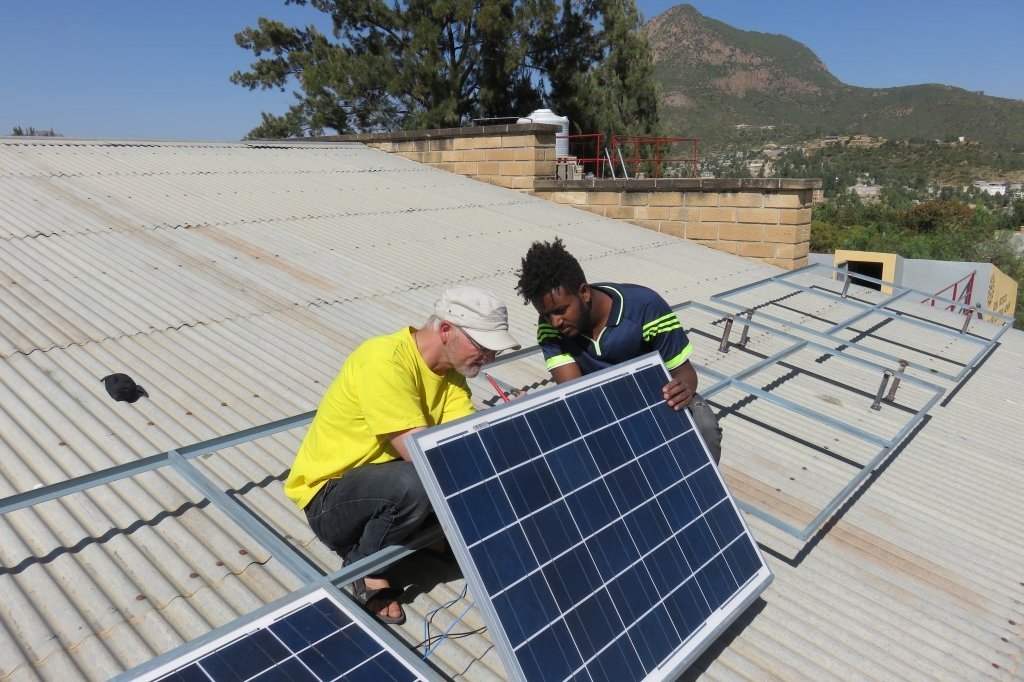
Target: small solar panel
point(313, 639)
point(593, 528)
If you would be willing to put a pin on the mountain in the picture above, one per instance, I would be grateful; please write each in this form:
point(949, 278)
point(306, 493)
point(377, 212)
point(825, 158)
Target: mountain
point(715, 78)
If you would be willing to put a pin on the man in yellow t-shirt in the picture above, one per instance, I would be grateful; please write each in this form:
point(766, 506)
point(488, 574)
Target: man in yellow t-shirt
point(352, 475)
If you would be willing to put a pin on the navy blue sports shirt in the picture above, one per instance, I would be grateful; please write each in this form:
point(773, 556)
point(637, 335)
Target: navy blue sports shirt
point(640, 322)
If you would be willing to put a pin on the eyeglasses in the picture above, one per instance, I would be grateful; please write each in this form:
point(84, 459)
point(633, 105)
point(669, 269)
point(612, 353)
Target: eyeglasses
point(479, 349)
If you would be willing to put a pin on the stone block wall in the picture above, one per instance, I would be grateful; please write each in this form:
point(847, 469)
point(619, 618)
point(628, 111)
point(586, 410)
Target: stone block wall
point(512, 156)
point(764, 219)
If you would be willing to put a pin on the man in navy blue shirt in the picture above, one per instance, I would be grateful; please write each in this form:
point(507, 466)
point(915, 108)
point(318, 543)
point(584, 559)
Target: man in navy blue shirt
point(586, 327)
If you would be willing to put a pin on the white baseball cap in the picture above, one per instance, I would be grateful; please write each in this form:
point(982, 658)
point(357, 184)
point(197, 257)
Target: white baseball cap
point(479, 313)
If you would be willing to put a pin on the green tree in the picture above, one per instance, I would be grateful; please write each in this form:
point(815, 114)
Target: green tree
point(436, 63)
point(619, 93)
point(18, 131)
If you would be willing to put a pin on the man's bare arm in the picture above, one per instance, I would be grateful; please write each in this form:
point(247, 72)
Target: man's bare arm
point(400, 439)
point(564, 373)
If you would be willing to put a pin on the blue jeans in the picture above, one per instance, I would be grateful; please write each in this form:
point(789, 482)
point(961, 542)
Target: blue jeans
point(370, 507)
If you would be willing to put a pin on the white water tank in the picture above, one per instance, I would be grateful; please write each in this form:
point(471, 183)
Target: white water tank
point(550, 117)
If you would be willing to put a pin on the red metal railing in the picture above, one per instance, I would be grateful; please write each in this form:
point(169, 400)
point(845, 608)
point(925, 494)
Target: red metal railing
point(961, 294)
point(586, 149)
point(651, 154)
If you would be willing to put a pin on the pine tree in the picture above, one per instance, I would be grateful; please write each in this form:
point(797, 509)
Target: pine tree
point(439, 63)
point(627, 95)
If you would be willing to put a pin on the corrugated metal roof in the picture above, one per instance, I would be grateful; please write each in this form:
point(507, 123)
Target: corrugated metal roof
point(231, 280)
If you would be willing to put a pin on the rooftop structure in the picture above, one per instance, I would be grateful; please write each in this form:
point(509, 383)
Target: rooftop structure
point(231, 280)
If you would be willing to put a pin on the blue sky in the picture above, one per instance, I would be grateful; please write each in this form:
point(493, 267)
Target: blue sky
point(159, 70)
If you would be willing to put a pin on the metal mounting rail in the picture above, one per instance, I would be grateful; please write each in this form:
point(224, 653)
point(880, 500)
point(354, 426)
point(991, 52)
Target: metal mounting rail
point(741, 381)
point(293, 560)
point(983, 344)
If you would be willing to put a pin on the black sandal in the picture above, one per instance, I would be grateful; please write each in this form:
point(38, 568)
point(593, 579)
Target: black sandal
point(365, 595)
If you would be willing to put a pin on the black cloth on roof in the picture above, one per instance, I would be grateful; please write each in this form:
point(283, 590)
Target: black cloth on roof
point(123, 388)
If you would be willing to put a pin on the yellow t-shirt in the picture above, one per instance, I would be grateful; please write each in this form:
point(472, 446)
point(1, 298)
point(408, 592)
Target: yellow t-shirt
point(384, 386)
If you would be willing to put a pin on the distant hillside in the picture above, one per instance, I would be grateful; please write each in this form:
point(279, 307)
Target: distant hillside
point(715, 77)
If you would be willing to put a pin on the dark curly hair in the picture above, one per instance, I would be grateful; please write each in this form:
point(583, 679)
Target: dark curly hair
point(548, 266)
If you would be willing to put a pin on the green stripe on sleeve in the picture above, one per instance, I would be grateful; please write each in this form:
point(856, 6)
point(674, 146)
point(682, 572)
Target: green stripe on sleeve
point(661, 320)
point(681, 358)
point(558, 361)
point(546, 332)
point(667, 326)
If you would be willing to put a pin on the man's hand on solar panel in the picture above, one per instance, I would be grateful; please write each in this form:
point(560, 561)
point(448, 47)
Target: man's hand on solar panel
point(680, 390)
point(583, 328)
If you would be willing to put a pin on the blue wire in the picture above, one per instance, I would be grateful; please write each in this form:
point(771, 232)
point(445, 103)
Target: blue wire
point(427, 649)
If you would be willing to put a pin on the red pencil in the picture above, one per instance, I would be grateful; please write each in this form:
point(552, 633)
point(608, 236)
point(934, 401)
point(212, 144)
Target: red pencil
point(496, 387)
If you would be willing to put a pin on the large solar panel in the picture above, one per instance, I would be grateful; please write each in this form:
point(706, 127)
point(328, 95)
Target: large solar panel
point(593, 528)
point(313, 639)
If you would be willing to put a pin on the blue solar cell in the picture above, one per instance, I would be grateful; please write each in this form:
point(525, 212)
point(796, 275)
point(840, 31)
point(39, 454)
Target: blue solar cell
point(698, 543)
point(394, 670)
point(593, 623)
point(724, 523)
point(291, 670)
point(572, 466)
point(191, 673)
point(679, 505)
point(592, 508)
point(670, 422)
point(551, 531)
point(331, 612)
point(668, 566)
point(642, 432)
point(654, 637)
point(633, 592)
point(360, 641)
point(742, 558)
point(628, 487)
point(552, 425)
point(687, 607)
point(526, 608)
point(550, 655)
point(716, 581)
point(458, 464)
point(481, 510)
point(508, 443)
point(647, 526)
point(618, 662)
point(623, 395)
point(612, 550)
point(661, 469)
point(609, 448)
point(530, 487)
point(248, 656)
point(369, 671)
point(706, 487)
point(651, 381)
point(503, 559)
point(689, 454)
point(590, 410)
point(303, 628)
point(321, 659)
point(571, 577)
